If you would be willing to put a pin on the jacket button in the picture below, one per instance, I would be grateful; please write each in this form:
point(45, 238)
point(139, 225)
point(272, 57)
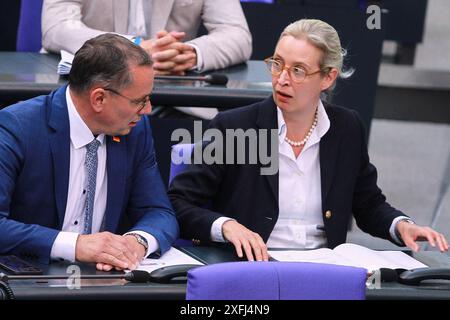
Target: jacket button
point(328, 214)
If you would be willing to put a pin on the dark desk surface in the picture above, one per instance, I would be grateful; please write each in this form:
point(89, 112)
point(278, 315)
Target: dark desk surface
point(24, 75)
point(120, 289)
point(110, 289)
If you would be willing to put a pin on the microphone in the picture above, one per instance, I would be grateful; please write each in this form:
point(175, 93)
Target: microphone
point(137, 276)
point(215, 78)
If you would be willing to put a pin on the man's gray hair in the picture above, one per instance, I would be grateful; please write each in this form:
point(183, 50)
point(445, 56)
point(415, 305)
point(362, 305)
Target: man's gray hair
point(106, 61)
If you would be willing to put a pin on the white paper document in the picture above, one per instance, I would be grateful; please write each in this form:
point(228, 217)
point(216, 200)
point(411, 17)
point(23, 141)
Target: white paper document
point(349, 254)
point(65, 64)
point(170, 258)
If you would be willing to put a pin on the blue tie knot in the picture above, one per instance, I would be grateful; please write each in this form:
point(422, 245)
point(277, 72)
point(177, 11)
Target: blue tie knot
point(93, 146)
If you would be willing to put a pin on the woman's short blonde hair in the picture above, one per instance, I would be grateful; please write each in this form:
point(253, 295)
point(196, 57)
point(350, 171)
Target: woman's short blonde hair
point(324, 37)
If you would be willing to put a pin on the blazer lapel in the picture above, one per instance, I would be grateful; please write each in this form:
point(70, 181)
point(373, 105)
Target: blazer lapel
point(329, 147)
point(267, 119)
point(160, 14)
point(60, 148)
point(120, 9)
point(116, 166)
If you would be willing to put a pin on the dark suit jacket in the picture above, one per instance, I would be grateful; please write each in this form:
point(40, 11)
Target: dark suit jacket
point(34, 178)
point(348, 179)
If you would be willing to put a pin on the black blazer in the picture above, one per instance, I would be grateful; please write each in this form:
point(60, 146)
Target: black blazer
point(204, 193)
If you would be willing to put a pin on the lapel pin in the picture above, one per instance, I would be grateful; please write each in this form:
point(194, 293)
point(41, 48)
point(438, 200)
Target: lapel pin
point(116, 139)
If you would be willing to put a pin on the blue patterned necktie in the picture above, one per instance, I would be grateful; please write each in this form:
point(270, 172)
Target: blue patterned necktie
point(90, 164)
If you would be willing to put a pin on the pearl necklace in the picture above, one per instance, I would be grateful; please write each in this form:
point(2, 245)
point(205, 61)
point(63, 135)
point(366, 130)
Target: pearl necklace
point(310, 131)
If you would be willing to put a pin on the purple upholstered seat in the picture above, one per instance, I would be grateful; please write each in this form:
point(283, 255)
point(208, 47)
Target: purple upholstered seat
point(320, 281)
point(276, 281)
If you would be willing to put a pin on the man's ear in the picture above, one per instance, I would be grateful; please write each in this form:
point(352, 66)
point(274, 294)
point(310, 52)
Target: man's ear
point(329, 79)
point(98, 99)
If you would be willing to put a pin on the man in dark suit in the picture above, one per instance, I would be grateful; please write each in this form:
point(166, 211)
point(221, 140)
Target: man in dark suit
point(324, 173)
point(78, 176)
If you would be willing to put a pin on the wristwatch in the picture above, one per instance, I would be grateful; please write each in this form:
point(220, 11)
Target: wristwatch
point(407, 220)
point(140, 239)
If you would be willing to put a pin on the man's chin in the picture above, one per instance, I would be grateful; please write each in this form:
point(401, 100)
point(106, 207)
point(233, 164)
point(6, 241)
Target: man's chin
point(125, 132)
point(122, 132)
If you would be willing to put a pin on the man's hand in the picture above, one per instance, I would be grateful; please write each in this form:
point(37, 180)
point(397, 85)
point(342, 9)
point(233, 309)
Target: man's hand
point(109, 251)
point(176, 60)
point(170, 55)
point(410, 233)
point(241, 237)
point(138, 248)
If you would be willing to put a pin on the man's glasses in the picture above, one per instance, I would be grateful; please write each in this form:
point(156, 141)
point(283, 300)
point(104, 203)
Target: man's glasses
point(297, 73)
point(141, 103)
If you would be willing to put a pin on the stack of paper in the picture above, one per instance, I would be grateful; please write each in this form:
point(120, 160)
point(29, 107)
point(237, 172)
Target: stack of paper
point(170, 258)
point(65, 64)
point(350, 254)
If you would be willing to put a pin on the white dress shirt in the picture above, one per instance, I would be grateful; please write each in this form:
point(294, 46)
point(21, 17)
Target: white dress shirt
point(136, 18)
point(73, 225)
point(300, 222)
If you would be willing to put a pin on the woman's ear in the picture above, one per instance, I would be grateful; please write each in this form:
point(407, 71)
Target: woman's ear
point(329, 79)
point(98, 99)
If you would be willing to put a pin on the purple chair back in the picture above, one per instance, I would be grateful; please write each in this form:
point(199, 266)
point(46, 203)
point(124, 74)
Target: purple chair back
point(29, 36)
point(276, 281)
point(179, 151)
point(320, 281)
point(233, 281)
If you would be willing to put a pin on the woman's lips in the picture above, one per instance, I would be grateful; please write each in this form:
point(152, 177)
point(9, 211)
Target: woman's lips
point(283, 96)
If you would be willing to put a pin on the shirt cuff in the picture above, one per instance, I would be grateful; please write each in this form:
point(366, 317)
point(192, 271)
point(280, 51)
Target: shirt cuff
point(216, 229)
point(64, 246)
point(199, 65)
point(394, 227)
point(151, 241)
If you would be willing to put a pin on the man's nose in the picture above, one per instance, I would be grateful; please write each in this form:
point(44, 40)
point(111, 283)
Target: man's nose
point(147, 109)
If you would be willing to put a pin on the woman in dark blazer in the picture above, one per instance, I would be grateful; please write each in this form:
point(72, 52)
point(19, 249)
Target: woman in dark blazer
point(324, 175)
